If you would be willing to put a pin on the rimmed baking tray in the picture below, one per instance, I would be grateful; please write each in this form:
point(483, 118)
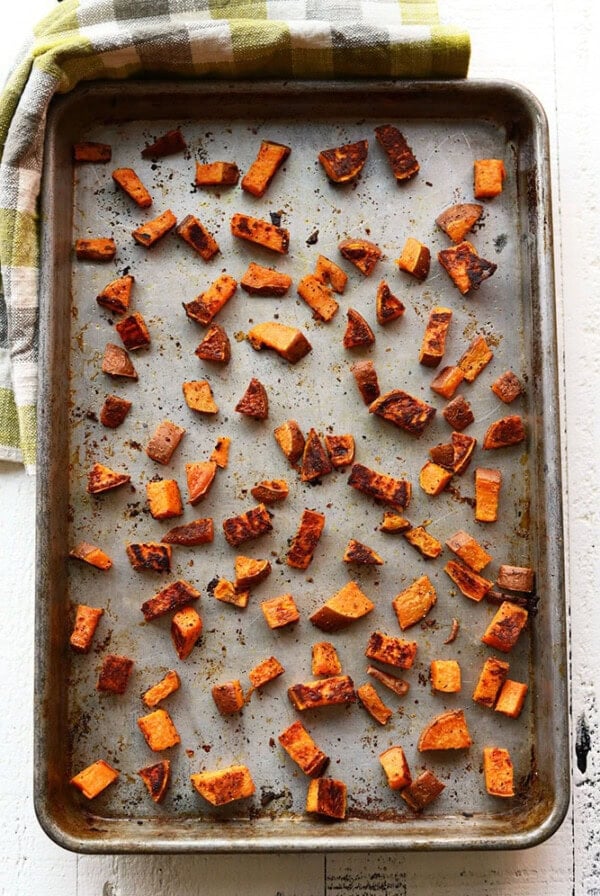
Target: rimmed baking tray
point(448, 125)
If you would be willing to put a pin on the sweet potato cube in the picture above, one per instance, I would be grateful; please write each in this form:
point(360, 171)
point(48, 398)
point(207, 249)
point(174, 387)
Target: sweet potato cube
point(96, 249)
point(324, 692)
point(422, 791)
point(113, 411)
point(116, 362)
point(467, 580)
point(477, 356)
point(403, 410)
point(357, 552)
point(469, 550)
point(220, 453)
point(516, 578)
point(280, 611)
point(224, 786)
point(447, 381)
point(250, 524)
point(463, 447)
point(415, 259)
point(400, 156)
point(427, 545)
point(160, 691)
point(116, 295)
point(327, 796)
point(373, 703)
point(95, 778)
point(90, 151)
point(459, 219)
point(433, 345)
point(392, 651)
point(215, 346)
point(217, 174)
point(504, 432)
point(380, 486)
point(324, 659)
point(194, 233)
point(164, 441)
point(91, 554)
point(84, 627)
point(186, 628)
point(466, 268)
point(345, 607)
point(208, 304)
point(263, 169)
point(166, 145)
point(507, 387)
point(159, 731)
point(433, 478)
point(490, 681)
point(249, 572)
point(225, 591)
point(288, 342)
point(150, 555)
point(264, 672)
point(503, 631)
point(489, 175)
point(172, 597)
point(270, 491)
point(363, 254)
point(315, 460)
point(198, 397)
point(255, 401)
point(487, 494)
point(318, 297)
point(447, 731)
point(415, 602)
point(130, 183)
point(344, 163)
point(149, 233)
point(228, 697)
point(102, 479)
point(445, 676)
point(340, 449)
point(366, 379)
point(261, 281)
point(329, 272)
point(261, 233)
point(358, 333)
point(200, 476)
point(304, 542)
point(511, 698)
point(396, 768)
point(395, 684)
point(291, 440)
point(458, 413)
point(498, 772)
point(301, 748)
point(164, 499)
point(156, 778)
point(387, 306)
point(114, 674)
point(394, 522)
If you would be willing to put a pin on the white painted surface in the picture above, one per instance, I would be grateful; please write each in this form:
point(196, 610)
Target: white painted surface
point(549, 46)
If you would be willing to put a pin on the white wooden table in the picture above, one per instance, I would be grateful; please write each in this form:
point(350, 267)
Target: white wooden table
point(549, 46)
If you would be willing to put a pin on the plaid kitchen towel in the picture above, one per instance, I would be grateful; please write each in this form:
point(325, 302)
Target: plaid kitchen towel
point(83, 40)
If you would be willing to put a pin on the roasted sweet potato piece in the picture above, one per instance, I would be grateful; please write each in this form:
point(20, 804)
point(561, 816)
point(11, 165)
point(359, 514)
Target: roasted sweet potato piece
point(270, 491)
point(160, 691)
point(225, 591)
point(503, 631)
point(511, 698)
point(366, 379)
point(130, 183)
point(220, 453)
point(394, 522)
point(289, 342)
point(445, 676)
point(149, 233)
point(263, 169)
point(116, 295)
point(102, 479)
point(224, 786)
point(194, 233)
point(166, 145)
point(261, 233)
point(415, 259)
point(477, 356)
point(362, 253)
point(516, 578)
point(217, 174)
point(329, 272)
point(200, 476)
point(133, 331)
point(357, 552)
point(84, 627)
point(358, 333)
point(422, 791)
point(458, 413)
point(387, 306)
point(266, 671)
point(395, 684)
point(469, 550)
point(396, 768)
point(159, 731)
point(427, 545)
point(150, 555)
point(96, 249)
point(465, 267)
point(400, 156)
point(255, 401)
point(380, 486)
point(323, 692)
point(415, 602)
point(504, 432)
point(447, 381)
point(342, 609)
point(304, 542)
point(301, 748)
point(463, 447)
point(173, 597)
point(208, 304)
point(113, 411)
point(498, 772)
point(95, 778)
point(291, 440)
point(434, 478)
point(196, 532)
point(487, 493)
point(467, 580)
point(114, 674)
point(164, 441)
point(403, 410)
point(507, 387)
point(186, 628)
point(392, 651)
point(156, 778)
point(91, 554)
point(198, 397)
point(90, 151)
point(324, 659)
point(490, 681)
point(488, 176)
point(457, 220)
point(315, 460)
point(164, 499)
point(434, 338)
point(215, 346)
point(344, 163)
point(373, 703)
point(261, 281)
point(116, 362)
point(318, 297)
point(228, 697)
point(447, 731)
point(280, 611)
point(250, 524)
point(249, 572)
point(328, 797)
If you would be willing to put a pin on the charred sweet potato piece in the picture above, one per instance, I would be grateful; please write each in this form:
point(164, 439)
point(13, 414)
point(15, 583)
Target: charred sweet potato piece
point(301, 748)
point(463, 447)
point(387, 306)
point(428, 546)
point(289, 342)
point(445, 676)
point(156, 778)
point(84, 627)
point(403, 410)
point(215, 346)
point(186, 628)
point(400, 156)
point(280, 611)
point(114, 674)
point(467, 580)
point(469, 550)
point(164, 499)
point(434, 478)
point(457, 220)
point(194, 233)
point(458, 413)
point(133, 331)
point(90, 151)
point(490, 681)
point(477, 356)
point(220, 453)
point(173, 597)
point(217, 174)
point(224, 786)
point(487, 494)
point(228, 697)
point(394, 522)
point(447, 381)
point(91, 554)
point(95, 778)
point(358, 333)
point(116, 295)
point(250, 524)
point(507, 387)
point(414, 603)
point(196, 532)
point(390, 650)
point(488, 176)
point(116, 362)
point(415, 259)
point(373, 703)
point(261, 281)
point(344, 163)
point(396, 768)
point(465, 267)
point(324, 659)
point(447, 731)
point(130, 183)
point(209, 303)
point(102, 479)
point(345, 607)
point(270, 491)
point(200, 476)
point(149, 233)
point(291, 440)
point(150, 555)
point(516, 578)
point(503, 631)
point(328, 797)
point(159, 731)
point(160, 691)
point(380, 486)
point(263, 169)
point(318, 297)
point(266, 671)
point(504, 432)
point(498, 772)
point(395, 684)
point(511, 698)
point(304, 542)
point(422, 791)
point(315, 460)
point(261, 233)
point(166, 145)
point(323, 692)
point(225, 591)
point(254, 402)
point(363, 254)
point(113, 411)
point(357, 552)
point(329, 272)
point(96, 249)
point(366, 379)
point(198, 397)
point(434, 338)
point(249, 572)
point(164, 441)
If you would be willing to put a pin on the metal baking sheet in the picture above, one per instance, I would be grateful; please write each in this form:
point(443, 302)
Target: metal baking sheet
point(448, 125)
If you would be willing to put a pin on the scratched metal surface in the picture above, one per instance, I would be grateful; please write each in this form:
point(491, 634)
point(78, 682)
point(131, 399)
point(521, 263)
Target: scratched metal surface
point(447, 126)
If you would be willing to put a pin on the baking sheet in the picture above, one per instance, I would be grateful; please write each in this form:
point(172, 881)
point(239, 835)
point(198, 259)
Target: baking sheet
point(447, 125)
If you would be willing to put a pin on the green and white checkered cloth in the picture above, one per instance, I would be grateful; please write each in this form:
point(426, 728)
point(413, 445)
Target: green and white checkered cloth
point(83, 40)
